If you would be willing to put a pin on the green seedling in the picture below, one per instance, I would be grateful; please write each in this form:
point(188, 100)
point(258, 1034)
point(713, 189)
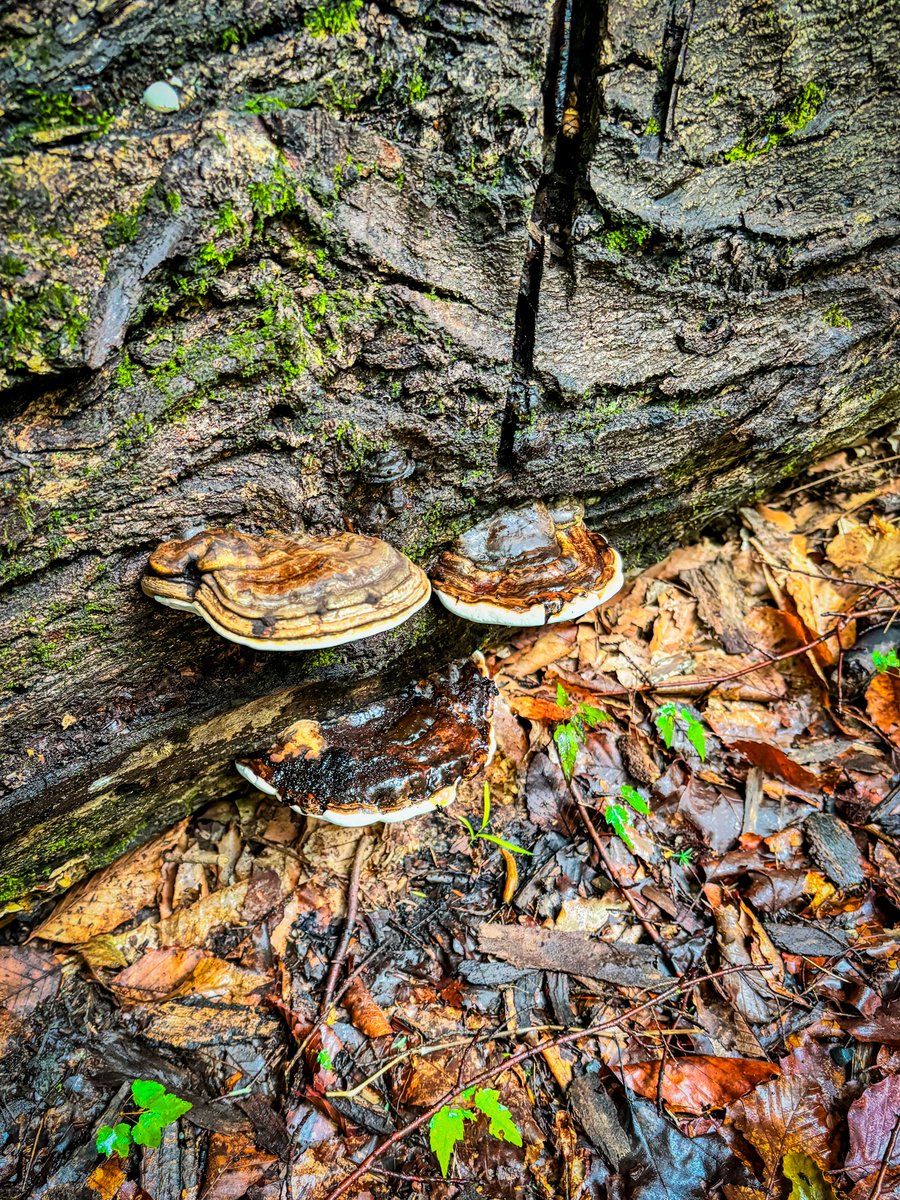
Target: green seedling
point(885, 662)
point(447, 1126)
point(156, 1108)
point(482, 834)
point(666, 718)
point(618, 817)
point(569, 735)
point(323, 1058)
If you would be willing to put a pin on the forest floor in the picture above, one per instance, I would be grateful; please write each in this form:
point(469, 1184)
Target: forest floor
point(734, 949)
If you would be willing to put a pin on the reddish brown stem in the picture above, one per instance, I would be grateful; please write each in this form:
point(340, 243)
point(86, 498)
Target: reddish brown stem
point(349, 925)
point(490, 1073)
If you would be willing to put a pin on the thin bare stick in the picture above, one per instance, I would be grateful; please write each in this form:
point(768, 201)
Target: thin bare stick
point(861, 466)
point(885, 1159)
point(490, 1073)
point(362, 851)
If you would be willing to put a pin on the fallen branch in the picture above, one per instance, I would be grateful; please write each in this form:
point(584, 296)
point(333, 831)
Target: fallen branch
point(490, 1073)
point(362, 847)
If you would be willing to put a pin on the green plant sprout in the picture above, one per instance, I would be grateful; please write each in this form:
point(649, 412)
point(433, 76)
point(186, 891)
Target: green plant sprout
point(884, 662)
point(475, 834)
point(665, 720)
point(334, 18)
point(570, 734)
point(323, 1058)
point(618, 816)
point(447, 1126)
point(156, 1109)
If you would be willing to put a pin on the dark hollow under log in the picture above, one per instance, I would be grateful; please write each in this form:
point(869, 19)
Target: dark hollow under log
point(392, 266)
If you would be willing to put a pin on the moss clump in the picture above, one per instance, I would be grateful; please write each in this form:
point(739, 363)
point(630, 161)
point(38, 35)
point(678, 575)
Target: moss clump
point(57, 110)
point(624, 238)
point(778, 125)
point(36, 324)
point(264, 104)
point(835, 318)
point(334, 18)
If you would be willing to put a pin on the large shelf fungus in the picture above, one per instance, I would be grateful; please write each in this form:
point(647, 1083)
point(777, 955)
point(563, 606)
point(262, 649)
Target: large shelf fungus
point(393, 759)
point(533, 565)
point(275, 592)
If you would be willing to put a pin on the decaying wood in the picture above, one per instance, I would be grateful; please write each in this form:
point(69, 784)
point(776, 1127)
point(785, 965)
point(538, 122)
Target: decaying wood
point(357, 281)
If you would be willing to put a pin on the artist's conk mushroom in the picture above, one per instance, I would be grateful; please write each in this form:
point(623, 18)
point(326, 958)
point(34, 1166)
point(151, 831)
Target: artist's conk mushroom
point(288, 593)
point(528, 566)
point(390, 760)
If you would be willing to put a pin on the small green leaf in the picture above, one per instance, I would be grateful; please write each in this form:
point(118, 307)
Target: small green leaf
point(486, 814)
point(633, 797)
point(145, 1091)
point(807, 1178)
point(694, 733)
point(664, 720)
point(467, 824)
point(445, 1129)
point(169, 1108)
point(491, 837)
point(148, 1131)
point(567, 748)
point(323, 1058)
point(617, 817)
point(502, 1125)
point(562, 696)
point(884, 662)
point(593, 716)
point(114, 1140)
point(578, 726)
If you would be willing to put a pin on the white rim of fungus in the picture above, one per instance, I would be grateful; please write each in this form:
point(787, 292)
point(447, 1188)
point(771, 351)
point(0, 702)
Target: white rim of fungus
point(309, 643)
point(256, 780)
point(486, 613)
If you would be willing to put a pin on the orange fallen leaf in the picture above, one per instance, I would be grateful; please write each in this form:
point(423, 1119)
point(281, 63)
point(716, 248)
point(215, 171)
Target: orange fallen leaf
point(28, 976)
point(368, 1016)
point(107, 1177)
point(883, 704)
point(168, 973)
point(234, 1166)
point(699, 1081)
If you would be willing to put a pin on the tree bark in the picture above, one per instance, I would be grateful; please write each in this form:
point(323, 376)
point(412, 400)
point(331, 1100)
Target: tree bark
point(392, 266)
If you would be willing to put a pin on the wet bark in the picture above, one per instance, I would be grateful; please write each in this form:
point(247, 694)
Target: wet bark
point(393, 277)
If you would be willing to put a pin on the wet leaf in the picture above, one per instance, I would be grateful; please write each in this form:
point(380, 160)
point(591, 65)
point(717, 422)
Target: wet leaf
point(617, 816)
point(883, 704)
point(445, 1129)
point(806, 1176)
point(502, 1125)
point(699, 1082)
point(870, 1123)
point(567, 747)
point(664, 719)
point(114, 1139)
point(633, 797)
point(27, 977)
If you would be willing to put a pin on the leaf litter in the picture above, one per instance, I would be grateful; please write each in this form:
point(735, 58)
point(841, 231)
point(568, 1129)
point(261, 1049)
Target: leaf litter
point(706, 779)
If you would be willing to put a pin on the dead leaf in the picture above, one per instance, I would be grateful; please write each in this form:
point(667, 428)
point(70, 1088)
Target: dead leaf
point(190, 1026)
point(775, 763)
point(235, 1166)
point(107, 1177)
point(108, 898)
point(871, 553)
point(883, 704)
point(368, 1017)
point(698, 1082)
point(168, 973)
point(870, 1123)
point(744, 942)
point(550, 647)
point(28, 977)
point(571, 953)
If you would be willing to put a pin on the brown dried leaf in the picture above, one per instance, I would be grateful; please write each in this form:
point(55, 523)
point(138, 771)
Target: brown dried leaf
point(27, 977)
point(190, 1026)
point(112, 896)
point(871, 553)
point(883, 704)
point(368, 1017)
point(744, 942)
point(106, 1179)
point(817, 600)
point(871, 1122)
point(697, 1082)
point(775, 763)
point(790, 1113)
point(168, 973)
point(235, 1166)
point(550, 647)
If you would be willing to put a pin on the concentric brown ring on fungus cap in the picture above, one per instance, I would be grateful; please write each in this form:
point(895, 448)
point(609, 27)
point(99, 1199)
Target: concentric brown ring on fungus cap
point(288, 593)
point(534, 565)
point(395, 758)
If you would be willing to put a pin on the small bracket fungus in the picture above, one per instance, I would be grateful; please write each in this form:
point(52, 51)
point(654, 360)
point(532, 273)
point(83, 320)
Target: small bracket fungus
point(396, 758)
point(528, 566)
point(288, 593)
point(161, 97)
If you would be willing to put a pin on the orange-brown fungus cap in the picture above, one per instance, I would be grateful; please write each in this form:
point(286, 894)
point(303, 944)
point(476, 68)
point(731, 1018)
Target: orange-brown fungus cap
point(288, 593)
point(393, 759)
point(528, 566)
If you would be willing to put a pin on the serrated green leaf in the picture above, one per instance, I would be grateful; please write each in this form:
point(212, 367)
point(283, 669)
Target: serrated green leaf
point(562, 696)
point(114, 1140)
point(633, 797)
point(664, 719)
point(148, 1130)
point(486, 813)
point(593, 716)
point(323, 1058)
point(492, 837)
point(617, 816)
point(566, 747)
point(169, 1108)
point(145, 1091)
point(884, 662)
point(502, 1125)
point(445, 1129)
point(694, 733)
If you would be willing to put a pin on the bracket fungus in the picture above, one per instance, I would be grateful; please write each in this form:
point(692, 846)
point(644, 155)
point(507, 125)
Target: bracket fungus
point(395, 758)
point(275, 592)
point(534, 565)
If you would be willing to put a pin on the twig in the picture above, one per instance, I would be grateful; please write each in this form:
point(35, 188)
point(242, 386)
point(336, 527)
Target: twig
point(340, 953)
point(861, 466)
point(490, 1073)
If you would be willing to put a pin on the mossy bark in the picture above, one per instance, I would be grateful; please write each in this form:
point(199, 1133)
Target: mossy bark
point(392, 266)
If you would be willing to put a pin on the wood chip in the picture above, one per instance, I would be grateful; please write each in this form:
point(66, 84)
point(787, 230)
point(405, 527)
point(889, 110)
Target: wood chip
point(572, 953)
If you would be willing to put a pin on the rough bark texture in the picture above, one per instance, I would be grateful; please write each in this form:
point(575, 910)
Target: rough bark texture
point(362, 277)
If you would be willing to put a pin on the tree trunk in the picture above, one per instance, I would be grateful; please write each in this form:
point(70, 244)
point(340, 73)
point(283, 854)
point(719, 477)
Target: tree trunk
point(392, 266)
